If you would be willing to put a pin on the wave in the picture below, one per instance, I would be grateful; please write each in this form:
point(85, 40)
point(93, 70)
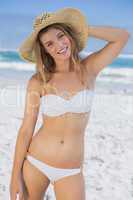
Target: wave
point(120, 69)
point(106, 72)
point(20, 66)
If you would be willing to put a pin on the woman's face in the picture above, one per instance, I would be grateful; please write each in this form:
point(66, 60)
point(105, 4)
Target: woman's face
point(56, 43)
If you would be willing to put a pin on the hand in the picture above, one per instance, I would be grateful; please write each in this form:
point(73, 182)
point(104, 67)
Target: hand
point(17, 186)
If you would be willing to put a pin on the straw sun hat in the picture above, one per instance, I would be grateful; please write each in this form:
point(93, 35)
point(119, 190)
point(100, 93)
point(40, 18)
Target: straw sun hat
point(70, 16)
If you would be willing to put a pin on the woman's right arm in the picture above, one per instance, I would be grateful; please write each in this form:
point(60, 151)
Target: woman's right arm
point(26, 130)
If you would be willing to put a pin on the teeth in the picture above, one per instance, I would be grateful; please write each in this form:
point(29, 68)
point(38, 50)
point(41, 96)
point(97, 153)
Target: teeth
point(63, 50)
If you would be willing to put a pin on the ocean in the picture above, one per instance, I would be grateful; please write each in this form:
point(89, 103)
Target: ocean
point(118, 76)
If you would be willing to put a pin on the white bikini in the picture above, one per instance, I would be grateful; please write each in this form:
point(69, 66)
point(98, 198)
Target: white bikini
point(54, 105)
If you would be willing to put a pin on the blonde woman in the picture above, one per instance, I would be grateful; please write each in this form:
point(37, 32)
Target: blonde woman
point(63, 87)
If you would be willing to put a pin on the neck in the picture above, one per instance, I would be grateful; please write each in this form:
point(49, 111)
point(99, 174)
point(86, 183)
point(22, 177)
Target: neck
point(63, 66)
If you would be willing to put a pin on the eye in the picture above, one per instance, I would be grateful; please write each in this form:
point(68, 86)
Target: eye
point(61, 35)
point(49, 44)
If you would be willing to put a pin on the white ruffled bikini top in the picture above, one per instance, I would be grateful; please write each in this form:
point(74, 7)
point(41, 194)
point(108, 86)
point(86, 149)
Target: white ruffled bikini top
point(54, 105)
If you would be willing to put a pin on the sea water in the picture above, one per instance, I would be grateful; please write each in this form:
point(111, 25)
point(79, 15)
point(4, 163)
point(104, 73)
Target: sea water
point(116, 76)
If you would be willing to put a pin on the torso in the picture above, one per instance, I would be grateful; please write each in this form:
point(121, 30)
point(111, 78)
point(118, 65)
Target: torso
point(60, 140)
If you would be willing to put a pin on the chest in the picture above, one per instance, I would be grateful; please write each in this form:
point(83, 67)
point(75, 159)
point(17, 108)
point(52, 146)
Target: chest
point(68, 85)
point(68, 95)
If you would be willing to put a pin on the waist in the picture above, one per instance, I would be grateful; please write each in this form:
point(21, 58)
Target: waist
point(48, 147)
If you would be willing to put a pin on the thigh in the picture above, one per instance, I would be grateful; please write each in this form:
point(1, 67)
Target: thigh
point(35, 181)
point(70, 187)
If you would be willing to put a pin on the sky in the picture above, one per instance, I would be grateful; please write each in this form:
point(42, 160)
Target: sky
point(16, 18)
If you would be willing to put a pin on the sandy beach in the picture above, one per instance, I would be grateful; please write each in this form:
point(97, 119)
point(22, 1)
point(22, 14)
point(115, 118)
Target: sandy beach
point(108, 164)
point(108, 153)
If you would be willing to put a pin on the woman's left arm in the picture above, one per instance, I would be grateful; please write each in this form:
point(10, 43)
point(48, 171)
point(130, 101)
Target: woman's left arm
point(116, 37)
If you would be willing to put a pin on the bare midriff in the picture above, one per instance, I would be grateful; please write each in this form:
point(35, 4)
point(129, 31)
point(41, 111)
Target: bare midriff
point(60, 140)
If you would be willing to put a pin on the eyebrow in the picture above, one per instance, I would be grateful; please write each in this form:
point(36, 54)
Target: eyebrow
point(50, 40)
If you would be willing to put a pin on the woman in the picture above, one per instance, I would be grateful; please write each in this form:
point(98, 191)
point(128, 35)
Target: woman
point(63, 86)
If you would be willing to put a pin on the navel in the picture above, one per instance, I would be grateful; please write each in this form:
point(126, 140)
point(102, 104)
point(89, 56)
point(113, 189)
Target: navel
point(62, 141)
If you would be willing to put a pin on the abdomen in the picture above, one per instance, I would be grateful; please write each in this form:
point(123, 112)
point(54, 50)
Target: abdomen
point(60, 145)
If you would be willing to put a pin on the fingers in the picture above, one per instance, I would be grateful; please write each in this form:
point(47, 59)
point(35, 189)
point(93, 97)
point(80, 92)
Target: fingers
point(21, 197)
point(13, 197)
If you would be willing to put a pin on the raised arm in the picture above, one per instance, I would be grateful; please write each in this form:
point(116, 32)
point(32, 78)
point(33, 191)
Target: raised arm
point(26, 130)
point(116, 37)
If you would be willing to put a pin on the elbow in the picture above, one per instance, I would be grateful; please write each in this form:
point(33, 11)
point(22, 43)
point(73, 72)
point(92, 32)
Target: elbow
point(125, 35)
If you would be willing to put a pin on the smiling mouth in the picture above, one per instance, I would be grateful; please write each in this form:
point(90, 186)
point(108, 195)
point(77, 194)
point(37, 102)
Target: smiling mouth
point(64, 50)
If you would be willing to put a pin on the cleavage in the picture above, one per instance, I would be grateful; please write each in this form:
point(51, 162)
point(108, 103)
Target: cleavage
point(66, 93)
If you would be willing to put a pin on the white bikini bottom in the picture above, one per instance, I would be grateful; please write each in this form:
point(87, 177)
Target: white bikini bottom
point(53, 173)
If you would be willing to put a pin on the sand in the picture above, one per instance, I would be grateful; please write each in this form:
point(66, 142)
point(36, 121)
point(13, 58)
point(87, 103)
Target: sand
point(108, 164)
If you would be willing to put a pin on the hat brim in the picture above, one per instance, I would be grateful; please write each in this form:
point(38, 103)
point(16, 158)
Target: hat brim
point(71, 17)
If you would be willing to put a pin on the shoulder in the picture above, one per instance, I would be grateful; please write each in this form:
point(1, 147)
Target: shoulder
point(34, 84)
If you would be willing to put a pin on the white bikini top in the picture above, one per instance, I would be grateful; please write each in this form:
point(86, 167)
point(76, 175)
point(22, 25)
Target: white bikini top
point(54, 105)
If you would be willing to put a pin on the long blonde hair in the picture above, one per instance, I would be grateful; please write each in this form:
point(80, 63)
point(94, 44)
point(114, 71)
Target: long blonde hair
point(45, 64)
